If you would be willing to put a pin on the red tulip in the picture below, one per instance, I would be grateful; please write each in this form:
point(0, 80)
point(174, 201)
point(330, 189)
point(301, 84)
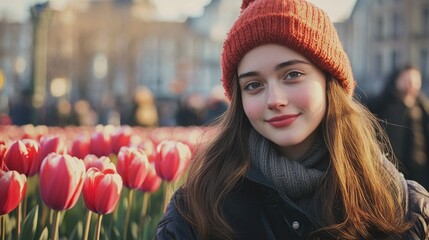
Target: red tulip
point(61, 180)
point(50, 144)
point(100, 163)
point(133, 166)
point(171, 159)
point(152, 182)
point(149, 148)
point(101, 143)
point(12, 190)
point(80, 146)
point(121, 138)
point(101, 190)
point(22, 156)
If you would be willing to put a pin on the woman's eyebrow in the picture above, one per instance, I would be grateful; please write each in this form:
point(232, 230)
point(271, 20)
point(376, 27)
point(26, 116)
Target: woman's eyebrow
point(278, 66)
point(248, 74)
point(289, 63)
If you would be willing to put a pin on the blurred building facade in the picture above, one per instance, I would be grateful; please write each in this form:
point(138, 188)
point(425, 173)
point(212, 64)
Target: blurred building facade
point(382, 34)
point(102, 51)
point(15, 54)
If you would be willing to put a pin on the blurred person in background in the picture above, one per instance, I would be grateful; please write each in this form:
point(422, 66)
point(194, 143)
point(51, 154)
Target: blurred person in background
point(404, 110)
point(217, 104)
point(65, 114)
point(144, 111)
point(21, 109)
point(85, 114)
point(191, 110)
point(167, 112)
point(108, 111)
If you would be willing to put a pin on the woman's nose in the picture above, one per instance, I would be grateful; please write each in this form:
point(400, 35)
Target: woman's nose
point(276, 97)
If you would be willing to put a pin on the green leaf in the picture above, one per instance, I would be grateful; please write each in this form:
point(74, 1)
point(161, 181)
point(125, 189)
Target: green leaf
point(77, 232)
point(45, 234)
point(116, 233)
point(134, 230)
point(10, 224)
point(30, 224)
point(144, 230)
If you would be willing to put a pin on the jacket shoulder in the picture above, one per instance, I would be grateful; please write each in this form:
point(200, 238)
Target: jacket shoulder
point(173, 225)
point(418, 209)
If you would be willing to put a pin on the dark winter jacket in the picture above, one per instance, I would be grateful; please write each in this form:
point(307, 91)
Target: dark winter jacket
point(404, 135)
point(256, 211)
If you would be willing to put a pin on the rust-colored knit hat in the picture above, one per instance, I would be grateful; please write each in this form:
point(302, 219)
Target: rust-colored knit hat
point(296, 24)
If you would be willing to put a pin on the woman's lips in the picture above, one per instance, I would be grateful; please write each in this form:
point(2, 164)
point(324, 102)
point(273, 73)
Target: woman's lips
point(282, 121)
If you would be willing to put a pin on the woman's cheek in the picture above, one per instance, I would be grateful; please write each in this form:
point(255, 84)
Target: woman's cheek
point(312, 102)
point(252, 111)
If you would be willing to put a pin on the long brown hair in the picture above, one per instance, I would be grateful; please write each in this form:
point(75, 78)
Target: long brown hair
point(215, 170)
point(369, 196)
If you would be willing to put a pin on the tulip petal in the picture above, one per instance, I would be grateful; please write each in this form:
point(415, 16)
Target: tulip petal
point(12, 189)
point(88, 189)
point(61, 181)
point(107, 193)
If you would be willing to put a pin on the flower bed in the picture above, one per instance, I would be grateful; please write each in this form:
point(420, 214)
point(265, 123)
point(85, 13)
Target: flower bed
point(77, 182)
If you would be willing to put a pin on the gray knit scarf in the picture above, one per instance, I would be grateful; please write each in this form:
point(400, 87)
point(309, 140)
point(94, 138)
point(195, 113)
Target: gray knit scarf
point(297, 179)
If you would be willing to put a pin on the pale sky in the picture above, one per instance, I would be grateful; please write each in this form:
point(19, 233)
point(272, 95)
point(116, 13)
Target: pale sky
point(18, 9)
point(338, 10)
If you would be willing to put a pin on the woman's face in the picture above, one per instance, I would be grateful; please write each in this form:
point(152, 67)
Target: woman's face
point(409, 83)
point(283, 96)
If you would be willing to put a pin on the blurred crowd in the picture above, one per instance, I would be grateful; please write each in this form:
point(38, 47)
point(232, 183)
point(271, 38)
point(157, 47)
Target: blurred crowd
point(146, 110)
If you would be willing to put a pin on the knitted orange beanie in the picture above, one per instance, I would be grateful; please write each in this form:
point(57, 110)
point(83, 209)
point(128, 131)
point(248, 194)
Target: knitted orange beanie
point(296, 24)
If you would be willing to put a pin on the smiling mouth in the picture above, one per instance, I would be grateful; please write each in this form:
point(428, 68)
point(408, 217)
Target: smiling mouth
point(282, 121)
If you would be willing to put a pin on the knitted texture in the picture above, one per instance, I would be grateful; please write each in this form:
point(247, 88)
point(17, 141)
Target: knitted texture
point(295, 178)
point(296, 24)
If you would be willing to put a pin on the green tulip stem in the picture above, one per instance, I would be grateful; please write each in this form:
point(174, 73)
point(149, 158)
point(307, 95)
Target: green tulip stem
point(19, 220)
point(56, 222)
point(144, 210)
point(145, 203)
point(51, 216)
point(2, 227)
point(87, 224)
point(127, 217)
point(24, 206)
point(167, 194)
point(98, 231)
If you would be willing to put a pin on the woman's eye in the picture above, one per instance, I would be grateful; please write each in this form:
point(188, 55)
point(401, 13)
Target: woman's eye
point(252, 85)
point(293, 75)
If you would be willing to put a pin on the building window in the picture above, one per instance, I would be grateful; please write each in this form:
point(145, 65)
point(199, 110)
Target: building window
point(396, 26)
point(425, 20)
point(379, 28)
point(378, 63)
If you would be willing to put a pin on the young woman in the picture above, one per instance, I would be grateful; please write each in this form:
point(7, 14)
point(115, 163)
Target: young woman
point(296, 156)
